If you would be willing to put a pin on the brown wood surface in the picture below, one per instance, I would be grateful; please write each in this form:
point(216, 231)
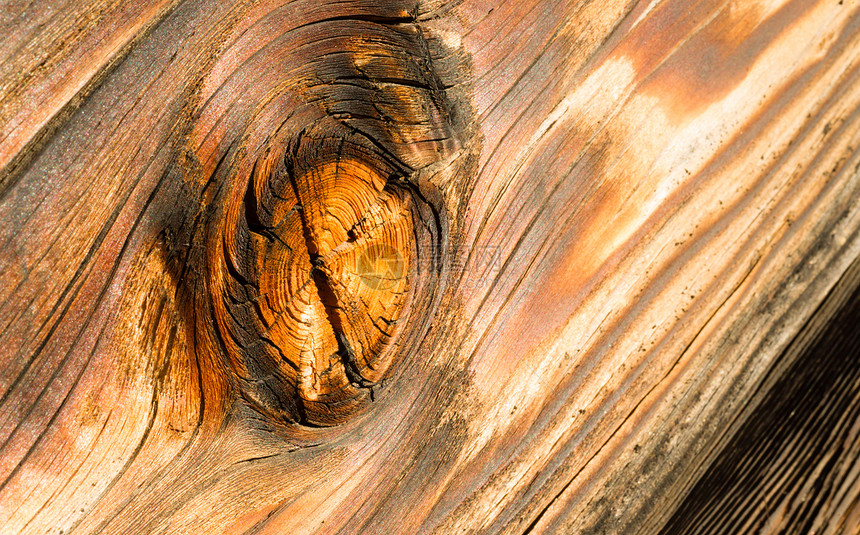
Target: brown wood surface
point(627, 218)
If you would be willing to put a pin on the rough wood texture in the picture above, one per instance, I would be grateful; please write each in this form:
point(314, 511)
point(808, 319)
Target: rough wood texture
point(626, 216)
point(793, 464)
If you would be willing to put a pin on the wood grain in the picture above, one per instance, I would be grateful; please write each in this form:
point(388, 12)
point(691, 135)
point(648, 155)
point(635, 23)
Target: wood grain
point(796, 454)
point(628, 215)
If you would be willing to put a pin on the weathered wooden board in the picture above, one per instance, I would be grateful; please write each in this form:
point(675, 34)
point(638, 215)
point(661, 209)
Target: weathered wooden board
point(628, 211)
point(792, 465)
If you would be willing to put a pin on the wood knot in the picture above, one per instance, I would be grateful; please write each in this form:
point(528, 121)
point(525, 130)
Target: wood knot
point(314, 278)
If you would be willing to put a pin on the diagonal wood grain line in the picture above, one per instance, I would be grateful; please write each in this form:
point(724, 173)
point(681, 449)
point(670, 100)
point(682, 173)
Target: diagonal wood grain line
point(18, 151)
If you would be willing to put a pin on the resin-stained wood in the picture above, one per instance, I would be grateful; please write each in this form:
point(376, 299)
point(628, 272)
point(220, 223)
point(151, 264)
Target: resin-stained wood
point(376, 266)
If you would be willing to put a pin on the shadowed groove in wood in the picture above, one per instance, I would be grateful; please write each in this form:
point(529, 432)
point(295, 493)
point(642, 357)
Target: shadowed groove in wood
point(793, 464)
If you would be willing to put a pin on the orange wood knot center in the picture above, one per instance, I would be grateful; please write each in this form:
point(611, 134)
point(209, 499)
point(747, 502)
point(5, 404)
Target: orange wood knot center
point(317, 270)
